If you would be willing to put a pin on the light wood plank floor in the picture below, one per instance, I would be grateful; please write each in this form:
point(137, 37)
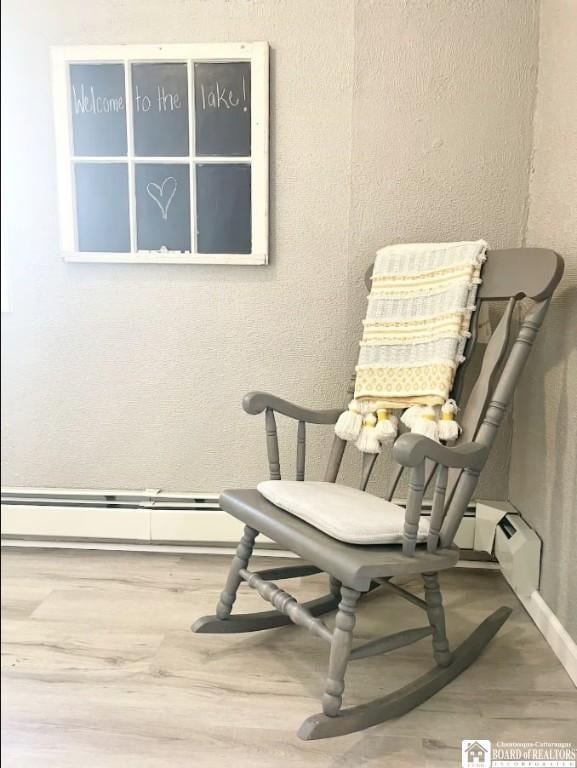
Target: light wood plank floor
point(100, 670)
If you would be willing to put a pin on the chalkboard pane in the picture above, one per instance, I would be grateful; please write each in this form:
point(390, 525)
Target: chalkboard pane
point(160, 109)
point(223, 208)
point(102, 215)
point(222, 108)
point(98, 109)
point(163, 207)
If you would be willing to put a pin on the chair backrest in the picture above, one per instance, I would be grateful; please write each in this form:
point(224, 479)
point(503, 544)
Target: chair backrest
point(508, 276)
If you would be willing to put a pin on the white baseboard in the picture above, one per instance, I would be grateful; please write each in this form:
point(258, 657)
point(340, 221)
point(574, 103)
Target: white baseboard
point(561, 643)
point(140, 525)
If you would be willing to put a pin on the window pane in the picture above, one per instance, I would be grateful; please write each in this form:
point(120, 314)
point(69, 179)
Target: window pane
point(98, 109)
point(223, 208)
point(163, 206)
point(102, 213)
point(160, 109)
point(222, 108)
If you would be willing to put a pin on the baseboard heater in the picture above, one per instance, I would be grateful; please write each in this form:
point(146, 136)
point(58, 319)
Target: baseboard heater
point(108, 499)
point(501, 530)
point(150, 515)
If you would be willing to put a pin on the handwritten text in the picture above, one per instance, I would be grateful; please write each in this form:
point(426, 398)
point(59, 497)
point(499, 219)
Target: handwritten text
point(88, 101)
point(164, 102)
point(219, 97)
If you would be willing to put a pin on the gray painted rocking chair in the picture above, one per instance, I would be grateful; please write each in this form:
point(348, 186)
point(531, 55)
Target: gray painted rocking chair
point(353, 569)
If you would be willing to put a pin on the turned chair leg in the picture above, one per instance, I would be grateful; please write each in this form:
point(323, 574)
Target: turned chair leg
point(340, 651)
point(436, 614)
point(334, 586)
point(240, 560)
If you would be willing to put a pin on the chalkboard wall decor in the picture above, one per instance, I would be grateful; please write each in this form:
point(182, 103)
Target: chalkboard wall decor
point(163, 207)
point(223, 207)
point(222, 108)
point(102, 195)
point(163, 153)
point(98, 109)
point(160, 109)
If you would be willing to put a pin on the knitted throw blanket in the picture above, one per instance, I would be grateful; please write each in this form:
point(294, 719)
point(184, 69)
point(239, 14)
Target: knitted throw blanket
point(417, 324)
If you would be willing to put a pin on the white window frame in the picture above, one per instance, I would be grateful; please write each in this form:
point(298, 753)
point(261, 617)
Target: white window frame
point(256, 53)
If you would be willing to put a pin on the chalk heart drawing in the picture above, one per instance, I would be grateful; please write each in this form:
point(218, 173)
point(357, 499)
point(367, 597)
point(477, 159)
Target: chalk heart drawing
point(162, 194)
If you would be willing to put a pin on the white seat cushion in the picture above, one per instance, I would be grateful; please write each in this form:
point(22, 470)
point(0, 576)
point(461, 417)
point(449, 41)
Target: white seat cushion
point(346, 514)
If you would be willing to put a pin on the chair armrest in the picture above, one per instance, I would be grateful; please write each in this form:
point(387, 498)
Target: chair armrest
point(410, 450)
point(257, 402)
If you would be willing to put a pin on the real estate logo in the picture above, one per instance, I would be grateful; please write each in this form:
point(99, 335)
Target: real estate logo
point(476, 753)
point(481, 753)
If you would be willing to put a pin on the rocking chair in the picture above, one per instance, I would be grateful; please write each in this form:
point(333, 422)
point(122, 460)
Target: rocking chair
point(358, 565)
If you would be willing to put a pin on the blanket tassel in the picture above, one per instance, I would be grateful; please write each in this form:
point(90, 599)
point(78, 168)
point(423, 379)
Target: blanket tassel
point(349, 423)
point(448, 427)
point(411, 415)
point(426, 423)
point(387, 425)
point(368, 441)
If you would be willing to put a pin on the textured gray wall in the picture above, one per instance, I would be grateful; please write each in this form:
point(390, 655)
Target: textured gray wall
point(390, 121)
point(543, 482)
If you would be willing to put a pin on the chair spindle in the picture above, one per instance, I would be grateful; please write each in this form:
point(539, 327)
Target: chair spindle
point(413, 511)
point(367, 463)
point(395, 482)
point(338, 446)
point(272, 445)
point(438, 510)
point(335, 459)
point(301, 450)
point(493, 357)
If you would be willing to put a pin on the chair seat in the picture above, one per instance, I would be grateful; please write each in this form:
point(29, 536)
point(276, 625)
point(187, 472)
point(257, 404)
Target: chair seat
point(353, 564)
point(346, 514)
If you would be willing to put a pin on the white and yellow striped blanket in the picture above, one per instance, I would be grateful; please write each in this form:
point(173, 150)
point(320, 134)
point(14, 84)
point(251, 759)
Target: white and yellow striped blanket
point(417, 324)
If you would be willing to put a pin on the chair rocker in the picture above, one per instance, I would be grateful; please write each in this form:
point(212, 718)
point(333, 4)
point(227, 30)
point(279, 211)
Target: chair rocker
point(354, 569)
